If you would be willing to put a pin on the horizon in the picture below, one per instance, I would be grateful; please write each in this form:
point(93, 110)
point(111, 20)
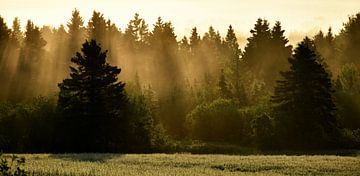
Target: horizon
point(297, 18)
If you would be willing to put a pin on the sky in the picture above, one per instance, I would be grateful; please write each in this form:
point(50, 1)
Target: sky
point(298, 17)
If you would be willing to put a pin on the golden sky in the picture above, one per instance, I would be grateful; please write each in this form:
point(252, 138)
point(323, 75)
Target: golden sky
point(297, 16)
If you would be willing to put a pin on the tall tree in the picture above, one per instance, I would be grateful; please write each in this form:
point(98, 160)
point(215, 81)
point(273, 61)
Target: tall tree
point(348, 41)
point(16, 35)
point(232, 53)
point(4, 37)
point(194, 40)
point(255, 53)
point(305, 111)
point(76, 32)
point(325, 45)
point(281, 51)
point(136, 33)
point(97, 28)
point(92, 100)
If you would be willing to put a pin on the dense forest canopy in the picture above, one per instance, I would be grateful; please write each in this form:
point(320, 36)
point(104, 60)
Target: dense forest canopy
point(55, 81)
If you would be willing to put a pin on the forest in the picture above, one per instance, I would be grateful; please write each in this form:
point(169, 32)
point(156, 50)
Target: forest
point(93, 87)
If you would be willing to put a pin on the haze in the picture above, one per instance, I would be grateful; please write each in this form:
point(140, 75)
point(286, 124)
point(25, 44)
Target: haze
point(297, 17)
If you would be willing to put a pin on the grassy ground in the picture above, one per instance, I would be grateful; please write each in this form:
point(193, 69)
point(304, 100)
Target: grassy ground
point(189, 164)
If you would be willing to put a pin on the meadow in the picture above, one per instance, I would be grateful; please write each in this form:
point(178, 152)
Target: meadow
point(190, 164)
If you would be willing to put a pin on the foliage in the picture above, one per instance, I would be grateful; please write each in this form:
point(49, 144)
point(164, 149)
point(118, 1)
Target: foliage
point(92, 101)
point(306, 111)
point(27, 127)
point(216, 121)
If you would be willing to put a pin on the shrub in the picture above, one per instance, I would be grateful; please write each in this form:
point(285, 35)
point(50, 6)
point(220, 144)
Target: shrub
point(217, 121)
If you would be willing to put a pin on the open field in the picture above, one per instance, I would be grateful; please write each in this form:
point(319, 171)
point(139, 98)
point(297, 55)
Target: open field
point(190, 164)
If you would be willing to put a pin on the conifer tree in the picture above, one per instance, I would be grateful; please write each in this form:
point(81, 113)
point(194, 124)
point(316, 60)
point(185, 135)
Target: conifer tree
point(92, 101)
point(4, 37)
point(76, 32)
point(305, 110)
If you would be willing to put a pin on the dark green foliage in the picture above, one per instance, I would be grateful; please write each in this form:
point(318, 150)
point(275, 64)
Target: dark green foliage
point(27, 127)
point(306, 111)
point(92, 102)
point(173, 109)
point(262, 131)
point(266, 52)
point(235, 66)
point(348, 96)
point(217, 121)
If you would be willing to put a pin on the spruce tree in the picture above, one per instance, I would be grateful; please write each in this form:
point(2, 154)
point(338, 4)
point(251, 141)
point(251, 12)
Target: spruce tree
point(305, 108)
point(232, 54)
point(92, 101)
point(4, 37)
point(76, 32)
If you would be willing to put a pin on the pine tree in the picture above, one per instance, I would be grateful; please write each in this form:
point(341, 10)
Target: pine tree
point(305, 110)
point(92, 100)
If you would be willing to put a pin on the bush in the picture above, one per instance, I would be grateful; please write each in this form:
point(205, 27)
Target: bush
point(217, 121)
point(28, 126)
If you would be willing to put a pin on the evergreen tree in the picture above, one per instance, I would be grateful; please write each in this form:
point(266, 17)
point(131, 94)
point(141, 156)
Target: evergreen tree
point(92, 101)
point(325, 45)
point(348, 41)
point(194, 40)
point(97, 28)
point(232, 53)
point(16, 34)
point(255, 53)
point(281, 51)
point(4, 37)
point(136, 33)
point(305, 111)
point(76, 32)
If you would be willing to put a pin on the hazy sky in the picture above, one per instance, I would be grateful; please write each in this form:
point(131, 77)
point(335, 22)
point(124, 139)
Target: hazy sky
point(297, 16)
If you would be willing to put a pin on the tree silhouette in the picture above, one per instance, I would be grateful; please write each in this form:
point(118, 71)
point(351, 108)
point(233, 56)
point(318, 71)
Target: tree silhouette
point(4, 37)
point(234, 64)
point(76, 31)
point(92, 99)
point(306, 111)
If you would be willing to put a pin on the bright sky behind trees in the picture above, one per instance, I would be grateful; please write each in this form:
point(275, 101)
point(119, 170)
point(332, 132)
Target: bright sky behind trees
point(297, 16)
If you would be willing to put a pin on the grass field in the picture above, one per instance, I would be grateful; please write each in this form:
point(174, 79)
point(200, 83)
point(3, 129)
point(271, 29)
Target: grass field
point(189, 164)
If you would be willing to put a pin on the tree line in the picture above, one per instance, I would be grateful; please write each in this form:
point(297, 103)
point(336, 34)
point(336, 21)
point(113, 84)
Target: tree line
point(61, 94)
